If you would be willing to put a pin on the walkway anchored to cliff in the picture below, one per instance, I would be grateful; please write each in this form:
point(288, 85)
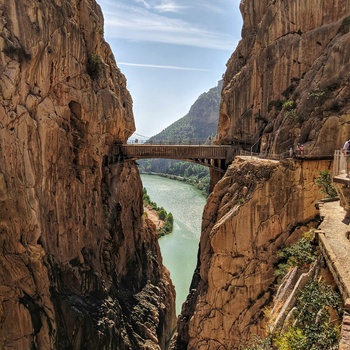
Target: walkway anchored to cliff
point(215, 156)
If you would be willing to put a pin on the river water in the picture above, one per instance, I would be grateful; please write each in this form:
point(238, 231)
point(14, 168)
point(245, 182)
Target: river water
point(179, 249)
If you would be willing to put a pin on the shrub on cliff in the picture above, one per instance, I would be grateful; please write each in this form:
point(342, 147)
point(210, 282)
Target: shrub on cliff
point(94, 66)
point(313, 328)
point(301, 254)
point(324, 181)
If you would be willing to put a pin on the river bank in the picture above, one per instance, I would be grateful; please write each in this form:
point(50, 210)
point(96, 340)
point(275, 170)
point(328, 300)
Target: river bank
point(153, 216)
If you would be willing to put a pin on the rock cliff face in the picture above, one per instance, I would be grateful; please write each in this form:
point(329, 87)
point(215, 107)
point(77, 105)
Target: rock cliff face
point(255, 209)
point(286, 83)
point(79, 268)
point(288, 80)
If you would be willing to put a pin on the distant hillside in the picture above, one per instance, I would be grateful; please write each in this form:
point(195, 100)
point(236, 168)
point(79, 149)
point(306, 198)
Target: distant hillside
point(199, 123)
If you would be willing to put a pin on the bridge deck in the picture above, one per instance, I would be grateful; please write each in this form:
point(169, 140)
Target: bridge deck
point(175, 151)
point(214, 156)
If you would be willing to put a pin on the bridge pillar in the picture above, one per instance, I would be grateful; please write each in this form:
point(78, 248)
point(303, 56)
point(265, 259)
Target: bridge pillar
point(215, 176)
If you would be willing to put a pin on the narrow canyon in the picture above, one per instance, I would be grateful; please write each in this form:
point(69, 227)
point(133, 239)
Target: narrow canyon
point(80, 265)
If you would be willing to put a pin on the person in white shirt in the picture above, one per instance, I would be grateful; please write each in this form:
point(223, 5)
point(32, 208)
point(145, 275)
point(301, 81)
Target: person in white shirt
point(346, 152)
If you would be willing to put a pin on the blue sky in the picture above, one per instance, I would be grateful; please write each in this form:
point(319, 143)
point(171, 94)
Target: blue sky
point(170, 51)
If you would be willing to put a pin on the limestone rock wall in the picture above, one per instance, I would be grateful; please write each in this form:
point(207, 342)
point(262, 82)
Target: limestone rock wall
point(79, 268)
point(291, 51)
point(255, 209)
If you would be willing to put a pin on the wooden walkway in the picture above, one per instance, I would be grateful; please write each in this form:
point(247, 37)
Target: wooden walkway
point(334, 243)
point(215, 156)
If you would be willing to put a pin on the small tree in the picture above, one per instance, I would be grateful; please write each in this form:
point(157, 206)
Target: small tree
point(170, 218)
point(162, 214)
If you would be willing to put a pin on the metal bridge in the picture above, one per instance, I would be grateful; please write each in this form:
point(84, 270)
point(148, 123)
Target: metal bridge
point(215, 156)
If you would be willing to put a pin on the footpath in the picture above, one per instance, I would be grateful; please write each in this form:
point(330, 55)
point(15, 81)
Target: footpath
point(334, 243)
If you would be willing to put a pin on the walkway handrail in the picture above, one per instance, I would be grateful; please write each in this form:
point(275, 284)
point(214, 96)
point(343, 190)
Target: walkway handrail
point(174, 141)
point(262, 156)
point(339, 165)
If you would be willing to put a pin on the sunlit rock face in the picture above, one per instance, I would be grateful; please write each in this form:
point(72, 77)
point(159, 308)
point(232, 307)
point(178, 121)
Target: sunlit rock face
point(291, 51)
point(79, 268)
point(255, 209)
point(286, 83)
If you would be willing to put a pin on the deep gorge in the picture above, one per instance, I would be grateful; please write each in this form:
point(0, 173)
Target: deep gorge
point(80, 266)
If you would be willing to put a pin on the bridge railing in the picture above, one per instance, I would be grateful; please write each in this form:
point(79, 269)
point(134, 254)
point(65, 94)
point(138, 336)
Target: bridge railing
point(175, 141)
point(340, 164)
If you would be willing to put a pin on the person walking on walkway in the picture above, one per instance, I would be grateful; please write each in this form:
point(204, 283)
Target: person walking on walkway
point(346, 152)
point(291, 152)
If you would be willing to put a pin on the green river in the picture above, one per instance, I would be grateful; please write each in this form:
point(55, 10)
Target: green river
point(179, 249)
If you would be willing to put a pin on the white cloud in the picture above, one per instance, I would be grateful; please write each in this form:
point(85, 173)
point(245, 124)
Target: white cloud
point(169, 6)
point(140, 24)
point(142, 2)
point(161, 66)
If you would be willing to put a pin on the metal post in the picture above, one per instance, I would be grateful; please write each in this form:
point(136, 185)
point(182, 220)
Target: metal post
point(251, 148)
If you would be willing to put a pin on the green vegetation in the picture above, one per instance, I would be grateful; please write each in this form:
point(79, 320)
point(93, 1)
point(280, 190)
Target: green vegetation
point(18, 53)
point(314, 328)
point(200, 123)
point(317, 312)
point(194, 174)
point(162, 214)
point(324, 181)
point(317, 94)
point(94, 66)
point(300, 254)
point(259, 344)
point(289, 105)
point(290, 109)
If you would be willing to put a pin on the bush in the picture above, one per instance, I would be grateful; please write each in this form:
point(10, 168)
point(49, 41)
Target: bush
point(289, 105)
point(324, 182)
point(94, 66)
point(318, 95)
point(162, 214)
point(300, 254)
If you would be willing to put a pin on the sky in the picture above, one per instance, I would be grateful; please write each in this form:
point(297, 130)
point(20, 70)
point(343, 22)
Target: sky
point(171, 51)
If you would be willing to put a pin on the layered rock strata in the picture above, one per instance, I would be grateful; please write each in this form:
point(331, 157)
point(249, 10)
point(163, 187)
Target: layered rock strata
point(79, 268)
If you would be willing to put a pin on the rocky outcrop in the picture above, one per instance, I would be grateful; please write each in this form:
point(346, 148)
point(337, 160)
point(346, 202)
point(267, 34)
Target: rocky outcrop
point(80, 269)
point(288, 80)
point(258, 207)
